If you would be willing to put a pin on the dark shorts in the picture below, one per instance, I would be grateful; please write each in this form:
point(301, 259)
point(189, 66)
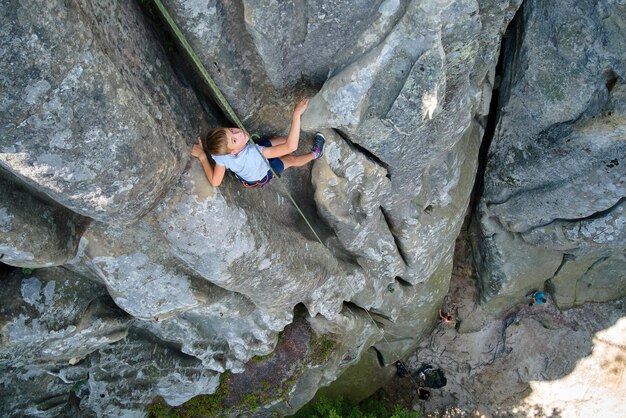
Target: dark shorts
point(276, 164)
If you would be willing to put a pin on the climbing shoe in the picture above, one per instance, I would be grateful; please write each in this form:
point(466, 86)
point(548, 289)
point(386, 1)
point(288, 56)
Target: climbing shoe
point(318, 145)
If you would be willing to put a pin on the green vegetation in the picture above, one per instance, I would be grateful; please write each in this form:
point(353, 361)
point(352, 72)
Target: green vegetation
point(26, 271)
point(343, 408)
point(322, 348)
point(199, 406)
point(76, 387)
point(250, 401)
point(261, 359)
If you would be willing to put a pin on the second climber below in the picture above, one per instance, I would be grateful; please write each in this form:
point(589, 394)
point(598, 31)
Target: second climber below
point(230, 148)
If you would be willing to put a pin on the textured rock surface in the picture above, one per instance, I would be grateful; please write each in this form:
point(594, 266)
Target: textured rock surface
point(553, 202)
point(33, 232)
point(62, 334)
point(55, 316)
point(537, 362)
point(530, 362)
point(407, 115)
point(217, 273)
point(203, 281)
point(91, 115)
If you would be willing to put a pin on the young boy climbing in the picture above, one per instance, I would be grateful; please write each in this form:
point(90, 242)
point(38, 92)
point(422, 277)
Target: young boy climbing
point(230, 148)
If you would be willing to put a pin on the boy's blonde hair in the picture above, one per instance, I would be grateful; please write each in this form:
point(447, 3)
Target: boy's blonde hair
point(216, 142)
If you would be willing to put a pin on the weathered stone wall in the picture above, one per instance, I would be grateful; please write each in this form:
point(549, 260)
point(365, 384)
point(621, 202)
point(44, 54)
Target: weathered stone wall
point(98, 124)
point(92, 117)
point(552, 212)
point(199, 282)
point(36, 232)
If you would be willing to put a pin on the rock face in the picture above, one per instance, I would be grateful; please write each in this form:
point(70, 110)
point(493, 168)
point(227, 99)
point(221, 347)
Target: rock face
point(83, 108)
point(63, 337)
point(539, 359)
point(174, 285)
point(552, 212)
point(34, 232)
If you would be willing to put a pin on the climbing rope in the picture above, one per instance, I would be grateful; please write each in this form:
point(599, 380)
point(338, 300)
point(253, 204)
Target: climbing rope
point(225, 106)
point(223, 103)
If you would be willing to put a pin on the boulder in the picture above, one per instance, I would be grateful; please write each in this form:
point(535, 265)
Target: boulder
point(212, 276)
point(150, 369)
point(221, 328)
point(36, 232)
point(92, 112)
point(55, 316)
point(63, 337)
point(552, 210)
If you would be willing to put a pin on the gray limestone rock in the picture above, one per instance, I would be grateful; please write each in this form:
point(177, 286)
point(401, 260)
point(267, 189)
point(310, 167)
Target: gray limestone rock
point(91, 111)
point(413, 113)
point(292, 38)
point(554, 189)
point(244, 250)
point(604, 231)
point(350, 192)
point(34, 232)
point(56, 317)
point(45, 391)
point(62, 337)
point(223, 329)
point(211, 277)
point(149, 368)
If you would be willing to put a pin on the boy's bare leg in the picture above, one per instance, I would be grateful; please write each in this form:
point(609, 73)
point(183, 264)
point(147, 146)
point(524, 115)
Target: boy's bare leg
point(297, 160)
point(277, 140)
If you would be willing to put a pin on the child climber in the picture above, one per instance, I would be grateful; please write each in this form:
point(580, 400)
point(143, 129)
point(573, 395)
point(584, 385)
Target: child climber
point(230, 149)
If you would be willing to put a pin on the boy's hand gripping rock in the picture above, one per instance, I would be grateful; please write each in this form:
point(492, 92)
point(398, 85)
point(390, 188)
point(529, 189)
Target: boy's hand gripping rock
point(197, 150)
point(300, 107)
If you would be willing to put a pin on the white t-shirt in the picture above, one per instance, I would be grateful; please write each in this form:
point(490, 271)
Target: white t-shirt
point(248, 164)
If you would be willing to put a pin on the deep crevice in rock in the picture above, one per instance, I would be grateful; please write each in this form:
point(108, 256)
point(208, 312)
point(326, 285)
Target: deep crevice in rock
point(175, 347)
point(362, 150)
point(504, 75)
point(548, 284)
point(379, 357)
point(6, 268)
point(566, 258)
point(610, 79)
point(183, 66)
point(403, 282)
point(378, 318)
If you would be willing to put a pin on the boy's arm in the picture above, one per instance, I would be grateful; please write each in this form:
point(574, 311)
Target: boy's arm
point(294, 134)
point(214, 175)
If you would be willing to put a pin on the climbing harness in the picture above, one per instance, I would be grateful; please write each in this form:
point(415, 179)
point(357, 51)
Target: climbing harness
point(222, 102)
point(258, 183)
point(225, 106)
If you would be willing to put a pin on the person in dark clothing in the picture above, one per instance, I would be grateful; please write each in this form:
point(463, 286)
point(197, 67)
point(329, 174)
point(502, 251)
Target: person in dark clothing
point(401, 371)
point(432, 378)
